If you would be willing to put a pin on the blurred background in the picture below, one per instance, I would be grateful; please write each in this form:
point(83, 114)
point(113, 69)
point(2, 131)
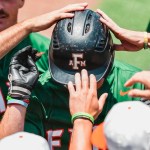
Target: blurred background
point(133, 14)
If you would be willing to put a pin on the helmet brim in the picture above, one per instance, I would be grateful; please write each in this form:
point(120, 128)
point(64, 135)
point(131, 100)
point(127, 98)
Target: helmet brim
point(64, 76)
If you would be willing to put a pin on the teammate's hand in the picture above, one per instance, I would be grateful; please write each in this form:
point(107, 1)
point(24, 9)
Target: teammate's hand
point(47, 20)
point(83, 97)
point(141, 77)
point(130, 40)
point(23, 73)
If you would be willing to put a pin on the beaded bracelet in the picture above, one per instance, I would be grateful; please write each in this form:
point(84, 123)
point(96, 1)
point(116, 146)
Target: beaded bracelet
point(82, 115)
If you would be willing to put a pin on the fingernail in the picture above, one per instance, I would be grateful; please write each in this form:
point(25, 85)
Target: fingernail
point(106, 94)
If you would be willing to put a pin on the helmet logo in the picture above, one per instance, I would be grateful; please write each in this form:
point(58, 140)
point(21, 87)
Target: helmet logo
point(75, 62)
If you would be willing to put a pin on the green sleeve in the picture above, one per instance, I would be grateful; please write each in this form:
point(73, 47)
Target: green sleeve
point(41, 43)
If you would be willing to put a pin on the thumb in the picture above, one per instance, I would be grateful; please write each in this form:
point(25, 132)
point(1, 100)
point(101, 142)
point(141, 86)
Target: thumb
point(102, 100)
point(118, 47)
point(139, 93)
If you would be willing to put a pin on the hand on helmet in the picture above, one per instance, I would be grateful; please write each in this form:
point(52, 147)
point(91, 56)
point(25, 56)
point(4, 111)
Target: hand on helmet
point(130, 40)
point(47, 20)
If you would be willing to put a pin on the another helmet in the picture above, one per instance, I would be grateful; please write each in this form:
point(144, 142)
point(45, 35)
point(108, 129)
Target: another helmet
point(81, 42)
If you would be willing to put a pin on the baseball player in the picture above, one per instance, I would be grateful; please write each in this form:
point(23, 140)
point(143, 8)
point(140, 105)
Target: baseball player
point(78, 43)
point(131, 41)
point(21, 33)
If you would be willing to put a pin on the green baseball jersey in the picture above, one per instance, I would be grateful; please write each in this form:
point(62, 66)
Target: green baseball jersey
point(38, 42)
point(48, 113)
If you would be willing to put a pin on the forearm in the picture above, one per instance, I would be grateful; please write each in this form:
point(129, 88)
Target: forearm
point(136, 37)
point(13, 120)
point(81, 135)
point(10, 37)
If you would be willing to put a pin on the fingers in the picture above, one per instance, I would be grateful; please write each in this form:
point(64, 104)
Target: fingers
point(105, 22)
point(71, 88)
point(138, 77)
point(78, 81)
point(111, 25)
point(32, 73)
point(64, 15)
point(85, 80)
point(25, 51)
point(139, 93)
point(93, 83)
point(118, 47)
point(38, 55)
point(82, 81)
point(74, 7)
point(102, 100)
point(33, 53)
point(31, 62)
point(108, 22)
point(103, 15)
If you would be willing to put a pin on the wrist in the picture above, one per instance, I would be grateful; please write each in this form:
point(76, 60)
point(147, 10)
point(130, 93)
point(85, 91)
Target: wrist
point(83, 125)
point(82, 121)
point(27, 24)
point(14, 101)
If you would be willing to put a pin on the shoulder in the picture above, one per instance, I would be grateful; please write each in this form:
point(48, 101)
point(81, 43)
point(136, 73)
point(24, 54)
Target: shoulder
point(124, 67)
point(121, 72)
point(37, 36)
point(39, 40)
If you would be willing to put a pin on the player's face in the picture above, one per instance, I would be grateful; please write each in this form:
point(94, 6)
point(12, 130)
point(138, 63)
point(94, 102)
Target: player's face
point(9, 12)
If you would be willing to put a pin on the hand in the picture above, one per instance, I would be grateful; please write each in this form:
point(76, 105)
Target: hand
point(84, 97)
point(47, 20)
point(141, 77)
point(130, 40)
point(23, 73)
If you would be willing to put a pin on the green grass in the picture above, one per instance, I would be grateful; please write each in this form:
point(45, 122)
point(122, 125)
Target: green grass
point(134, 15)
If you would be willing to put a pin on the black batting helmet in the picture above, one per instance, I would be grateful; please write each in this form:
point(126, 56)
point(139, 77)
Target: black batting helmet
point(81, 42)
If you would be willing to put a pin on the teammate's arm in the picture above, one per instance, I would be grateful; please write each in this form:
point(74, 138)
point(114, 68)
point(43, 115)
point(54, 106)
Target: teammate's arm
point(23, 75)
point(130, 40)
point(140, 77)
point(10, 37)
point(83, 98)
point(13, 120)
